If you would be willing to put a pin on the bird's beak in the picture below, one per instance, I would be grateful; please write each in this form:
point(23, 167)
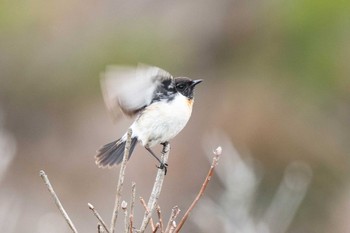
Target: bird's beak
point(195, 82)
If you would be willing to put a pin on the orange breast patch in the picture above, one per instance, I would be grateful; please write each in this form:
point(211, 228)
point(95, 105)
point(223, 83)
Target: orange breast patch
point(190, 103)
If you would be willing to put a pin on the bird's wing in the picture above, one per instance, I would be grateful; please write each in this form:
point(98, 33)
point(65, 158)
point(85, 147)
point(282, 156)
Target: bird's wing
point(130, 89)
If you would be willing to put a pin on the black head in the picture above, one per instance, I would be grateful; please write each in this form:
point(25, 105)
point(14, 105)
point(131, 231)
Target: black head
point(185, 86)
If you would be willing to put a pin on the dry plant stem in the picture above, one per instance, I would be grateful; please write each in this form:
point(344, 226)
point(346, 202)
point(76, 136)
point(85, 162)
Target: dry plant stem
point(131, 223)
point(133, 197)
point(217, 154)
point(172, 227)
point(132, 206)
point(147, 211)
point(156, 228)
point(100, 229)
point(99, 218)
point(120, 182)
point(174, 213)
point(160, 220)
point(57, 201)
point(157, 187)
point(126, 222)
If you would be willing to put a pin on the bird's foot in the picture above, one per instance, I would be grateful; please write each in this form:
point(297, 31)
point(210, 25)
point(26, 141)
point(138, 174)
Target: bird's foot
point(163, 166)
point(164, 143)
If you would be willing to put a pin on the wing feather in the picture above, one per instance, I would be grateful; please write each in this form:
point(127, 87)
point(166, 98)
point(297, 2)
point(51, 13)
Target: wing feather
point(130, 89)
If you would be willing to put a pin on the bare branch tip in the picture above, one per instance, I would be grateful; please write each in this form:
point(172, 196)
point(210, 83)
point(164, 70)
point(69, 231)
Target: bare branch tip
point(218, 151)
point(57, 201)
point(124, 205)
point(42, 173)
point(91, 207)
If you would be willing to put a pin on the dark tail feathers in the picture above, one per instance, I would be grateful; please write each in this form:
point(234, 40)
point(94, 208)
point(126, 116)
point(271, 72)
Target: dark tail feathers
point(113, 152)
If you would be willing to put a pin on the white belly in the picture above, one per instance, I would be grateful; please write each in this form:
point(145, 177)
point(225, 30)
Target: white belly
point(161, 121)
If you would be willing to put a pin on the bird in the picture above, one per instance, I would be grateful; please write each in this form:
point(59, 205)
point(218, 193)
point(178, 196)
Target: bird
point(160, 103)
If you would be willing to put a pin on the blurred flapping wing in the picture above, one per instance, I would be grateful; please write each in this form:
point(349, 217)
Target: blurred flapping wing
point(130, 89)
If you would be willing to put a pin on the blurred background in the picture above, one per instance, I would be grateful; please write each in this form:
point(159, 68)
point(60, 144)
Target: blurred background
point(276, 97)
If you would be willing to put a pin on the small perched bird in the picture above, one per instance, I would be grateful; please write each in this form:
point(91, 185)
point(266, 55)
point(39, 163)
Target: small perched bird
point(161, 104)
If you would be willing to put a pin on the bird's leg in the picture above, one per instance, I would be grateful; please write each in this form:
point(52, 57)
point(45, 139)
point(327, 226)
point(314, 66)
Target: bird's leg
point(152, 153)
point(161, 164)
point(164, 165)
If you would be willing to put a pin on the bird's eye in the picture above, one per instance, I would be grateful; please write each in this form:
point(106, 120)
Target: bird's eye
point(180, 86)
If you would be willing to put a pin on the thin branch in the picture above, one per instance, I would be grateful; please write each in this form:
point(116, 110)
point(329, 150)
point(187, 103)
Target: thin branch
point(172, 227)
point(157, 187)
point(217, 154)
point(174, 213)
point(131, 223)
point(124, 206)
point(133, 197)
point(100, 228)
point(160, 220)
point(57, 201)
point(98, 216)
point(132, 206)
point(156, 228)
point(120, 182)
point(147, 211)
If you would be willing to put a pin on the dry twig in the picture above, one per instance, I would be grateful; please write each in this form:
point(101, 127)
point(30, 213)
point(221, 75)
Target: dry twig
point(100, 228)
point(120, 182)
point(98, 216)
point(124, 206)
point(147, 211)
point(157, 187)
point(132, 206)
point(160, 220)
point(57, 201)
point(171, 223)
point(172, 227)
point(156, 228)
point(217, 154)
